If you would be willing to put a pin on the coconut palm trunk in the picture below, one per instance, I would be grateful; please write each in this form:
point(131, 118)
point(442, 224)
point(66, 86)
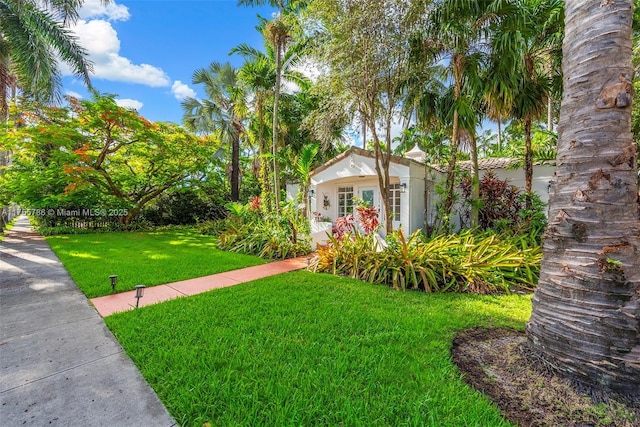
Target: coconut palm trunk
point(586, 309)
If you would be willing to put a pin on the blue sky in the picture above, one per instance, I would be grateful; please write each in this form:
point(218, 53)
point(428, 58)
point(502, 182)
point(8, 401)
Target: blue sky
point(145, 51)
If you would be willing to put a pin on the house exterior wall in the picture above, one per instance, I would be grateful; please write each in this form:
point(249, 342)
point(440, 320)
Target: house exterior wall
point(420, 200)
point(542, 176)
point(359, 172)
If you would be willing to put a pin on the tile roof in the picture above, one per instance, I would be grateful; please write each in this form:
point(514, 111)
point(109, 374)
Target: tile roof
point(484, 164)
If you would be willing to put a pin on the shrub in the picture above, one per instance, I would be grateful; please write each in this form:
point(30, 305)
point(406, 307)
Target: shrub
point(482, 263)
point(502, 207)
point(250, 230)
point(184, 207)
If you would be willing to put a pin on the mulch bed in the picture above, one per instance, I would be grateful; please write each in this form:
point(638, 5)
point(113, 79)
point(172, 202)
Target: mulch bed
point(499, 363)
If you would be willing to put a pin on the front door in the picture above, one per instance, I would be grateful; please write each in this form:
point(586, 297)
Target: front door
point(370, 196)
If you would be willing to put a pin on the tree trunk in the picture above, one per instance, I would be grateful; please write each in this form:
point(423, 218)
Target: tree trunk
point(276, 96)
point(235, 169)
point(528, 162)
point(262, 150)
point(475, 182)
point(4, 84)
point(451, 175)
point(550, 98)
point(500, 136)
point(586, 309)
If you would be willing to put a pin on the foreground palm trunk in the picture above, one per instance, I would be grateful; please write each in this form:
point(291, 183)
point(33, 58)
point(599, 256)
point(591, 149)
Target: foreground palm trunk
point(586, 310)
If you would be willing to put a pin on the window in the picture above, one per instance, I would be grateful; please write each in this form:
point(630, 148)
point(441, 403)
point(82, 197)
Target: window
point(394, 200)
point(345, 201)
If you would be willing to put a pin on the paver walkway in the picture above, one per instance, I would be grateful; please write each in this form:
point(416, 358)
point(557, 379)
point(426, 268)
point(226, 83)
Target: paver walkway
point(59, 364)
point(123, 301)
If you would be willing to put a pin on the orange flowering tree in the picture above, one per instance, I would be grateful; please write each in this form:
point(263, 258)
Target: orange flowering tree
point(95, 155)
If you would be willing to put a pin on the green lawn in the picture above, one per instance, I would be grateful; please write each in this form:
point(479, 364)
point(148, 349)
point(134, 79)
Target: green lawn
point(146, 258)
point(314, 349)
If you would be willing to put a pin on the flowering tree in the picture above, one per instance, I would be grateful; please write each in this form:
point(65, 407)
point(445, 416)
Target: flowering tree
point(95, 154)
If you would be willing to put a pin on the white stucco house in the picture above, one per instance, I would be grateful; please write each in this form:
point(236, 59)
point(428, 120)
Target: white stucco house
point(413, 187)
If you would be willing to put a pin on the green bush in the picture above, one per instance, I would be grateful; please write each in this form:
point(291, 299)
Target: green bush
point(483, 262)
point(503, 207)
point(250, 230)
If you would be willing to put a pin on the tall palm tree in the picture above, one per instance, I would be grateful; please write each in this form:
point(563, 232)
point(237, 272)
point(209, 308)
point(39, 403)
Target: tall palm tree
point(222, 112)
point(524, 42)
point(456, 31)
point(586, 308)
point(278, 32)
point(32, 36)
point(258, 76)
point(261, 72)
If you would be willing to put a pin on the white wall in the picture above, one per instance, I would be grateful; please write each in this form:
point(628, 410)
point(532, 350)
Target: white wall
point(359, 171)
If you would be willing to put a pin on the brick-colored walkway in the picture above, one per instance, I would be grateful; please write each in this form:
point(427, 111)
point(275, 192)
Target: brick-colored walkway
point(124, 301)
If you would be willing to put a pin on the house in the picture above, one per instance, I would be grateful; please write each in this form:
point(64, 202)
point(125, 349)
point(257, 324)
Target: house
point(413, 187)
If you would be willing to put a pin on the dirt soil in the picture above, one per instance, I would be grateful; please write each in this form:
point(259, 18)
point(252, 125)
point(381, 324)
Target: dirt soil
point(498, 363)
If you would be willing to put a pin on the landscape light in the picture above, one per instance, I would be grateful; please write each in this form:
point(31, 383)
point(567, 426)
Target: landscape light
point(139, 294)
point(114, 281)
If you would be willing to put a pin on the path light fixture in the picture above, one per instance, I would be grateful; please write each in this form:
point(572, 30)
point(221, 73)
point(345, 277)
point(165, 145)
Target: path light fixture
point(114, 281)
point(139, 294)
point(403, 187)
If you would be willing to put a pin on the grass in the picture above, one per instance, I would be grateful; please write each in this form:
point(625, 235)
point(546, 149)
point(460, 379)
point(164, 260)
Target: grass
point(314, 349)
point(147, 258)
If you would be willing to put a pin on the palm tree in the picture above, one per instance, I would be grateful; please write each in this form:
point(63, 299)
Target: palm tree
point(456, 31)
point(524, 41)
point(223, 112)
point(278, 33)
point(258, 76)
point(32, 36)
point(586, 309)
point(260, 73)
point(302, 169)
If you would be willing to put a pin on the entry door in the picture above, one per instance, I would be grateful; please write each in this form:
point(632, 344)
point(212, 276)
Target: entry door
point(370, 196)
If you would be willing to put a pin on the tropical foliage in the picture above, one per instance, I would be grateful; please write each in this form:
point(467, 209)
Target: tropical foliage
point(466, 262)
point(33, 37)
point(250, 229)
point(471, 261)
point(96, 156)
point(503, 206)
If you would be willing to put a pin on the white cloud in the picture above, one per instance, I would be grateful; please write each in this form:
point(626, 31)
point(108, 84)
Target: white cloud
point(103, 45)
point(96, 9)
point(132, 104)
point(182, 91)
point(73, 94)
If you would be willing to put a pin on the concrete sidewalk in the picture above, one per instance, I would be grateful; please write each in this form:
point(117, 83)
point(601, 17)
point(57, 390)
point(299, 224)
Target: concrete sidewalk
point(59, 364)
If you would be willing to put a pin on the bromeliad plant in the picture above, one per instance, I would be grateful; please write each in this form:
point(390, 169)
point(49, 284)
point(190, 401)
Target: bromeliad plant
point(467, 262)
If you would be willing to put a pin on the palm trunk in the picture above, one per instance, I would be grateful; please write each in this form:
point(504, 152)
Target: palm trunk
point(451, 174)
point(475, 182)
point(235, 169)
point(586, 309)
point(549, 98)
point(276, 96)
point(262, 150)
point(528, 162)
point(500, 136)
point(4, 84)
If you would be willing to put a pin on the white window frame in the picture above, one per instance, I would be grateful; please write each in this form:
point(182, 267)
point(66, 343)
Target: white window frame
point(394, 201)
point(345, 201)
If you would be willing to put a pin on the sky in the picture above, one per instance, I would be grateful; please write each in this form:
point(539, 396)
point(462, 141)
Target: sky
point(145, 51)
